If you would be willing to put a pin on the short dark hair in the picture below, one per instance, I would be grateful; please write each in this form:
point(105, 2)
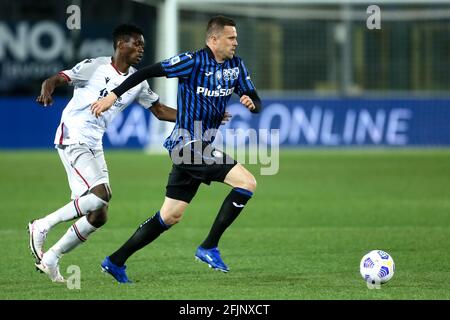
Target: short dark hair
point(217, 23)
point(124, 32)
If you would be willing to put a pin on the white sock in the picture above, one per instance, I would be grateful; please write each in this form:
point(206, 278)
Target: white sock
point(76, 208)
point(50, 258)
point(75, 235)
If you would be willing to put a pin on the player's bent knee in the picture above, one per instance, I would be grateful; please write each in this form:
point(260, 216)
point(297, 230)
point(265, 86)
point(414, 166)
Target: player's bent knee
point(172, 211)
point(100, 203)
point(251, 184)
point(102, 191)
point(247, 184)
point(98, 217)
point(171, 217)
point(239, 177)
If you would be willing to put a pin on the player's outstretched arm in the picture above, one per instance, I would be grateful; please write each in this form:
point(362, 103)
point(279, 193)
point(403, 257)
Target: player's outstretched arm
point(47, 88)
point(251, 101)
point(164, 112)
point(155, 70)
point(103, 104)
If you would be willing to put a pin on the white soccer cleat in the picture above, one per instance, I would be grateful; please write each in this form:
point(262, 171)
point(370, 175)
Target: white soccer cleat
point(52, 272)
point(37, 239)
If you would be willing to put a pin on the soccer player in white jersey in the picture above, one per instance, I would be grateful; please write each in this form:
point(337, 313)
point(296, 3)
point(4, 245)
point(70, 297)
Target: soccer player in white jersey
point(79, 143)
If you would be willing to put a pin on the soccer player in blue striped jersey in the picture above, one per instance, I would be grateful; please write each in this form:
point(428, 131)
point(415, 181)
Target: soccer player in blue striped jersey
point(207, 79)
point(204, 89)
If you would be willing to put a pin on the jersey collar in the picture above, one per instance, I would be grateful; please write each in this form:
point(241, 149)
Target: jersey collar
point(118, 71)
point(210, 53)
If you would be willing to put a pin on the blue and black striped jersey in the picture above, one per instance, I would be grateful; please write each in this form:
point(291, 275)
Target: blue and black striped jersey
point(204, 89)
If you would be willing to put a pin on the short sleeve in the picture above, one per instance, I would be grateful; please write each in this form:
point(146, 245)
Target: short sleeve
point(81, 72)
point(179, 66)
point(147, 97)
point(245, 83)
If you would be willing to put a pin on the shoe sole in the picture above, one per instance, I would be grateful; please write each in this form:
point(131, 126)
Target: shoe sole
point(31, 243)
point(38, 267)
point(210, 266)
point(105, 271)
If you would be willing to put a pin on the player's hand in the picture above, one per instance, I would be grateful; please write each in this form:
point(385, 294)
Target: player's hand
point(226, 117)
point(45, 99)
point(103, 104)
point(247, 102)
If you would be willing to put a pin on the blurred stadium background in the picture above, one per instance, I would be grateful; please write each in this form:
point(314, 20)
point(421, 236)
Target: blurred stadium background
point(327, 81)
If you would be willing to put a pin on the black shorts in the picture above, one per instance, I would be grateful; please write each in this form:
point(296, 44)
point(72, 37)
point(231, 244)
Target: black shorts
point(185, 178)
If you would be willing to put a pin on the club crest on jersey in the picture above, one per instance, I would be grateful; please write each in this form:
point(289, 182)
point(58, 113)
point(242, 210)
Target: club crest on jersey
point(218, 75)
point(230, 74)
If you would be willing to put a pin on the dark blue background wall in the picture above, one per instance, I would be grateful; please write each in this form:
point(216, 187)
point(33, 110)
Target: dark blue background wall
point(302, 122)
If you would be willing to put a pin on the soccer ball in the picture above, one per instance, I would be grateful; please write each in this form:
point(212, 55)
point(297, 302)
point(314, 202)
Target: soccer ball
point(377, 267)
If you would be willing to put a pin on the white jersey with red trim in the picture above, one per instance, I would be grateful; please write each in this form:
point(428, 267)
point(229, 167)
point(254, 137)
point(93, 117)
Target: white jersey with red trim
point(94, 79)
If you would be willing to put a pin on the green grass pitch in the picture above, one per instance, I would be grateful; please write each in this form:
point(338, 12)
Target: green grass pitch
point(301, 237)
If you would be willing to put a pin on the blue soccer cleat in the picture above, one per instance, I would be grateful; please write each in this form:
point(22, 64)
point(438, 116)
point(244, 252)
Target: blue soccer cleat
point(212, 258)
point(117, 272)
